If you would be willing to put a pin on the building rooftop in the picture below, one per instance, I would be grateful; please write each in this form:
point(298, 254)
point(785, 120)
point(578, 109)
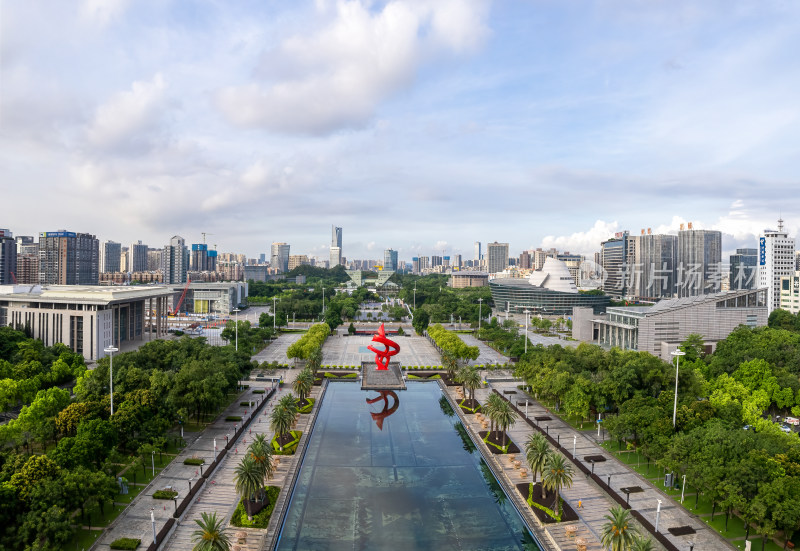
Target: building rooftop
point(100, 294)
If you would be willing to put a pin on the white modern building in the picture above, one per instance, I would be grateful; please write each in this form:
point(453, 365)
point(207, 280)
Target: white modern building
point(790, 293)
point(776, 259)
point(87, 319)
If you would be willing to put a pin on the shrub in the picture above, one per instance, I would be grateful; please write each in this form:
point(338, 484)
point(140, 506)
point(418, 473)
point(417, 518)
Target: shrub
point(261, 520)
point(232, 418)
point(165, 494)
point(125, 543)
point(194, 461)
point(246, 404)
point(258, 392)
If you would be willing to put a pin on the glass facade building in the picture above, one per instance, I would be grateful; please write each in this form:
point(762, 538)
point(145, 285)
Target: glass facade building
point(520, 295)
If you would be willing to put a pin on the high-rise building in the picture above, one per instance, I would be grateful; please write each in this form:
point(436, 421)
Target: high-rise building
point(436, 260)
point(415, 264)
point(8, 257)
point(336, 236)
point(389, 260)
point(154, 259)
point(744, 265)
point(68, 258)
point(498, 257)
point(613, 254)
point(651, 275)
point(279, 257)
point(296, 260)
point(478, 255)
point(137, 256)
point(776, 259)
point(199, 260)
point(525, 260)
point(699, 258)
point(424, 263)
point(336, 257)
point(175, 261)
point(110, 252)
point(27, 260)
point(457, 261)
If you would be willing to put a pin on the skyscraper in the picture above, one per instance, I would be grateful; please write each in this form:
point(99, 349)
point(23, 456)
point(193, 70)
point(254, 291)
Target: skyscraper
point(390, 260)
point(110, 253)
point(336, 246)
point(336, 257)
point(698, 262)
point(613, 254)
point(498, 257)
point(744, 265)
point(280, 256)
point(776, 259)
point(68, 258)
point(199, 260)
point(27, 260)
point(137, 257)
point(651, 275)
point(478, 255)
point(8, 257)
point(175, 261)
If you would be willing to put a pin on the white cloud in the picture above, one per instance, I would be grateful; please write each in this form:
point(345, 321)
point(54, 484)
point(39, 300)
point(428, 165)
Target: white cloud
point(440, 246)
point(586, 242)
point(337, 77)
point(102, 12)
point(129, 118)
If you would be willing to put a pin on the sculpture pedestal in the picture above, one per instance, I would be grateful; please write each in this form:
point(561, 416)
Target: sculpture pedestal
point(388, 379)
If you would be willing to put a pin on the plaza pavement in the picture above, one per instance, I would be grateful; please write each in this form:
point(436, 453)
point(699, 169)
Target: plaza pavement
point(596, 503)
point(351, 351)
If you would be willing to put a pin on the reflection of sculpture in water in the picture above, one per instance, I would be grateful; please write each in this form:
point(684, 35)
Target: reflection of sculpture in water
point(382, 356)
point(386, 411)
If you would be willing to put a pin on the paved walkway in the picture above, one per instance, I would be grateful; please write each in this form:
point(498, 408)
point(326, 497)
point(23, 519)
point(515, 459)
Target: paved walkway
point(596, 503)
point(276, 351)
point(352, 350)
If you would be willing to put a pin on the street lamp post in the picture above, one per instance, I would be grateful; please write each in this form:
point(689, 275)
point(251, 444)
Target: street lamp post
point(677, 354)
point(574, 443)
point(526, 330)
point(215, 450)
point(274, 315)
point(153, 461)
point(236, 311)
point(683, 489)
point(658, 514)
point(110, 351)
point(480, 304)
point(153, 521)
point(415, 295)
point(323, 301)
point(190, 486)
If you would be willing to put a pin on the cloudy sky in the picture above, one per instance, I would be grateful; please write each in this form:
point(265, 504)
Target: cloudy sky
point(414, 124)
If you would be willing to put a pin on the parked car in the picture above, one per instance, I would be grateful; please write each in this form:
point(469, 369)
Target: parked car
point(786, 428)
point(747, 427)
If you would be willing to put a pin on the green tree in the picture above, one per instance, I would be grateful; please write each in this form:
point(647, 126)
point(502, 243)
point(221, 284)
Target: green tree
point(420, 321)
point(642, 544)
point(557, 474)
point(248, 479)
point(537, 450)
point(471, 380)
point(211, 534)
point(618, 534)
point(504, 417)
point(303, 383)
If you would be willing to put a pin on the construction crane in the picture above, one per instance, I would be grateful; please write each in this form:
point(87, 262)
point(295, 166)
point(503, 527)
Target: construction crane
point(13, 278)
point(204, 236)
point(180, 301)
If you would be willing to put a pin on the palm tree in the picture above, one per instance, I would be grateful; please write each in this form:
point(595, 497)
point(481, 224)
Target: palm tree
point(248, 479)
point(505, 417)
point(261, 452)
point(211, 535)
point(490, 406)
point(642, 544)
point(314, 360)
point(450, 363)
point(303, 383)
point(281, 420)
point(288, 403)
point(617, 532)
point(557, 474)
point(537, 450)
point(462, 371)
point(471, 379)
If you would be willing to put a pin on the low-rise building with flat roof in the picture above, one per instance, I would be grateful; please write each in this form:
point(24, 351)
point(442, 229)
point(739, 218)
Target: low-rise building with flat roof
point(88, 318)
point(660, 328)
point(460, 280)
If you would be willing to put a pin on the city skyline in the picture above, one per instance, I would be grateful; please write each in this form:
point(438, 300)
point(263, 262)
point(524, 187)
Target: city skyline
point(415, 126)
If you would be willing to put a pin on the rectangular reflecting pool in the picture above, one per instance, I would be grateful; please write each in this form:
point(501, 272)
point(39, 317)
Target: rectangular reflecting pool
point(416, 483)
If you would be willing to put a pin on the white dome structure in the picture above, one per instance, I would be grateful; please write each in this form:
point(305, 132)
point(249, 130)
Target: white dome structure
point(554, 276)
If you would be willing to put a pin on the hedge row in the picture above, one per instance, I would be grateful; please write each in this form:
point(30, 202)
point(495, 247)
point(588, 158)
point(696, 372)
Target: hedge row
point(449, 342)
point(313, 339)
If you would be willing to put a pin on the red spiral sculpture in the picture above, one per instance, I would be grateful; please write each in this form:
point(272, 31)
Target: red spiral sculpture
point(382, 356)
point(386, 411)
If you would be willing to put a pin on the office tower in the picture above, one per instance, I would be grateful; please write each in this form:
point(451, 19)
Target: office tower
point(262, 258)
point(124, 260)
point(478, 255)
point(137, 257)
point(415, 264)
point(613, 254)
point(390, 260)
point(154, 259)
point(698, 262)
point(336, 236)
point(211, 261)
point(498, 257)
point(524, 260)
point(651, 266)
point(175, 261)
point(68, 258)
point(296, 260)
point(199, 259)
point(27, 260)
point(110, 252)
point(279, 258)
point(436, 261)
point(424, 263)
point(336, 257)
point(744, 265)
point(776, 259)
point(573, 263)
point(797, 260)
point(446, 261)
point(8, 257)
point(456, 261)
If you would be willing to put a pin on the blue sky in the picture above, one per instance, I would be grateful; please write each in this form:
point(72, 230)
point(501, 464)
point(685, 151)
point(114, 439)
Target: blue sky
point(417, 125)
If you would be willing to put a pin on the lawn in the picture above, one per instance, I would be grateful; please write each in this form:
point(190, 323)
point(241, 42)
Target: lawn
point(82, 539)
